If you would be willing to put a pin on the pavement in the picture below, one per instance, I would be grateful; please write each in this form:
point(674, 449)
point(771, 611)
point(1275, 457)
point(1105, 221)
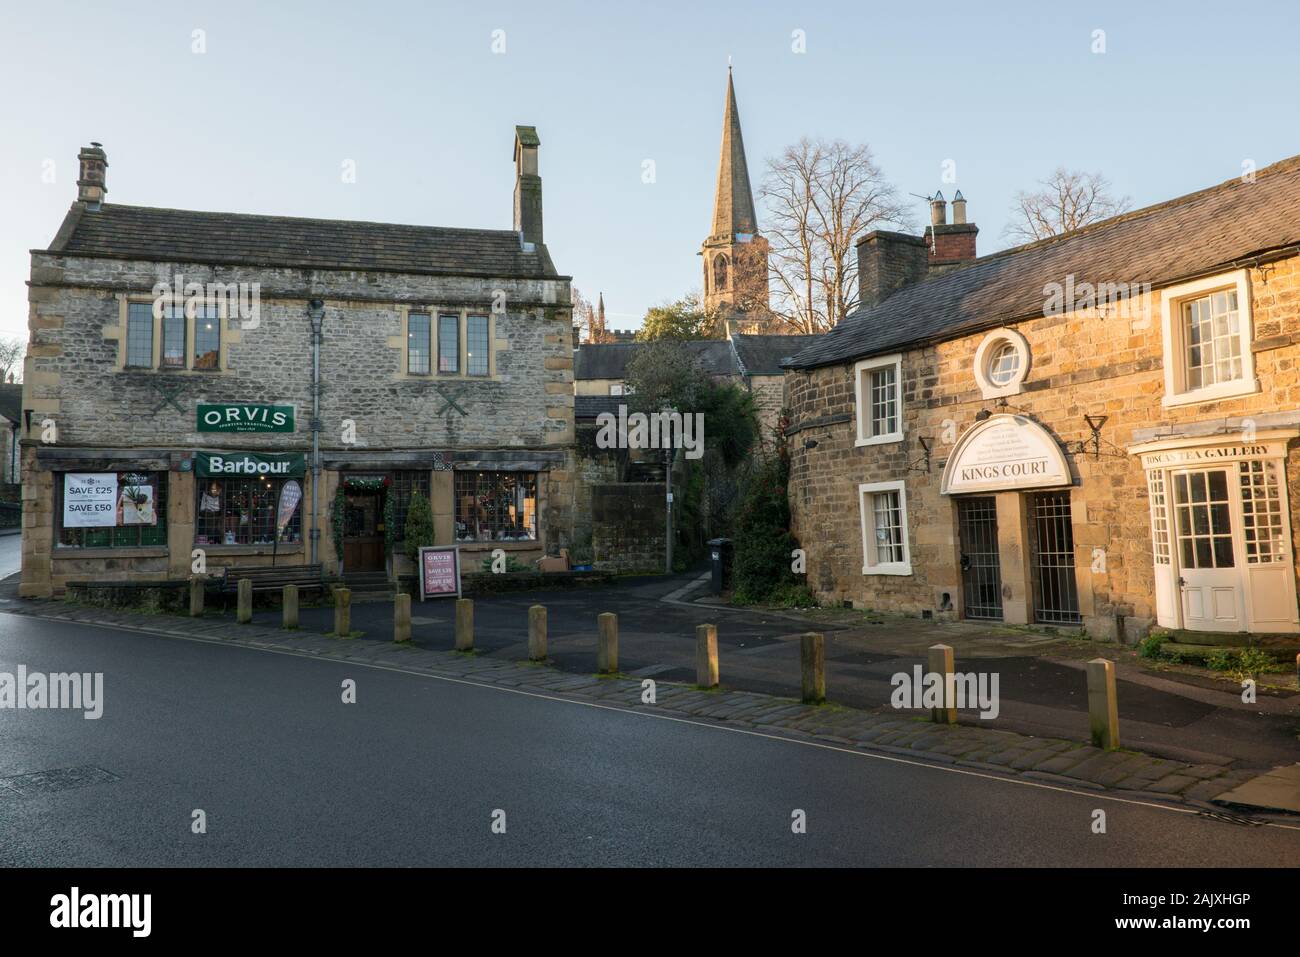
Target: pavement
point(1042, 685)
point(248, 725)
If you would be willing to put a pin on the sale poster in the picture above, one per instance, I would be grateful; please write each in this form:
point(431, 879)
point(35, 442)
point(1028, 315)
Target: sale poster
point(439, 572)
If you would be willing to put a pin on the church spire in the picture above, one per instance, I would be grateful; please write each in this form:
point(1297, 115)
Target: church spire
point(733, 206)
point(735, 255)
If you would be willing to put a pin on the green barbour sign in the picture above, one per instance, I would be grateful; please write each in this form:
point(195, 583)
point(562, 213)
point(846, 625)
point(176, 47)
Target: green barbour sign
point(244, 417)
point(240, 464)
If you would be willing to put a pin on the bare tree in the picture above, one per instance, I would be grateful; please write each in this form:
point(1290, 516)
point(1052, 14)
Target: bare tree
point(820, 197)
point(1068, 200)
point(12, 352)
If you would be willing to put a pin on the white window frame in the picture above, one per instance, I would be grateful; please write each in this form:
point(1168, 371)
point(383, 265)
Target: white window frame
point(988, 388)
point(863, 399)
point(1175, 340)
point(867, 512)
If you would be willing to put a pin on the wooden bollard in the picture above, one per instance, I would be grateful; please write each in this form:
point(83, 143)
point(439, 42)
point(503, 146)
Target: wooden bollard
point(706, 656)
point(1103, 708)
point(942, 664)
point(464, 624)
point(342, 612)
point(812, 656)
point(607, 643)
point(289, 606)
point(197, 584)
point(537, 633)
point(402, 617)
point(244, 601)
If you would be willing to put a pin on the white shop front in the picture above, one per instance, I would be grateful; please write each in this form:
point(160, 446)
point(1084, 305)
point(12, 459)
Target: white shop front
point(1221, 532)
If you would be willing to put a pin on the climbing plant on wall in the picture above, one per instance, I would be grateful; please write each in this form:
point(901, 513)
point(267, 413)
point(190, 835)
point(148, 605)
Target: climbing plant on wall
point(336, 521)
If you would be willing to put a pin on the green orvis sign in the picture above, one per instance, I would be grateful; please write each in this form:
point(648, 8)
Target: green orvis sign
point(242, 464)
point(244, 417)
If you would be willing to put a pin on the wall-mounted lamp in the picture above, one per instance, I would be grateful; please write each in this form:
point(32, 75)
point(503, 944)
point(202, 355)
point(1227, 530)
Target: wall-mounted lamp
point(983, 415)
point(810, 443)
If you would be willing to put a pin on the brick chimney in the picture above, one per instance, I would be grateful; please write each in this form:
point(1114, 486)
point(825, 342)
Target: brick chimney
point(950, 243)
point(528, 186)
point(887, 262)
point(90, 185)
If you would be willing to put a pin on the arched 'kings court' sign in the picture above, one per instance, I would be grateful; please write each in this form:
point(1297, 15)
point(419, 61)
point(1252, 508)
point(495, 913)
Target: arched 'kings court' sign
point(1005, 452)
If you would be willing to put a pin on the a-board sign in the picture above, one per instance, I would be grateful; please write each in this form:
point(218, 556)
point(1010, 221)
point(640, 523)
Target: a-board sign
point(440, 572)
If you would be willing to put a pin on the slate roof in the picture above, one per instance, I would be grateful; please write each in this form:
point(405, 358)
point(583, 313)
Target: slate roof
point(11, 401)
point(762, 354)
point(178, 235)
point(608, 360)
point(1198, 234)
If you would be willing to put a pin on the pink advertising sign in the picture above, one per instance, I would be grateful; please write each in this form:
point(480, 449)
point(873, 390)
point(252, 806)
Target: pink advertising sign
point(439, 572)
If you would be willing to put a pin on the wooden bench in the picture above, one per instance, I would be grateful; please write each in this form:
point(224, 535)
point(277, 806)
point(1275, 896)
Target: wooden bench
point(271, 577)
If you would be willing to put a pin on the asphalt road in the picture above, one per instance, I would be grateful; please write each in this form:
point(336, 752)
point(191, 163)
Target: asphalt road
point(759, 651)
point(412, 773)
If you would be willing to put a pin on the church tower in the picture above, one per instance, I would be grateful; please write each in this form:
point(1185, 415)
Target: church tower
point(735, 255)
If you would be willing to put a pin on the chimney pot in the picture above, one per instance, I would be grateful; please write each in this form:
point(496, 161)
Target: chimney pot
point(959, 209)
point(938, 210)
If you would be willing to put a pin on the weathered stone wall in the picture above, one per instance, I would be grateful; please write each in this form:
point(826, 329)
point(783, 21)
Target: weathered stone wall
point(628, 527)
point(1082, 363)
point(72, 376)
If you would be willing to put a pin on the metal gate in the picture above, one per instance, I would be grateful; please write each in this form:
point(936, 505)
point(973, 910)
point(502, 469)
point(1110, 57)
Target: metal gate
point(1056, 593)
point(981, 572)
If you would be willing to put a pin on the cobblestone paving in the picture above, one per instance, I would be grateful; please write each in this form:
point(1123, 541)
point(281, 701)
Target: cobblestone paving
point(1000, 752)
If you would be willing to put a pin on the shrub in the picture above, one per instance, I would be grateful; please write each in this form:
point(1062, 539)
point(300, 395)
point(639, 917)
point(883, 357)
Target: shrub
point(763, 542)
point(1152, 645)
point(419, 526)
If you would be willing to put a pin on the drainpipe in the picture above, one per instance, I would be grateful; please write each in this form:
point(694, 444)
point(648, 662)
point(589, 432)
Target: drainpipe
point(316, 312)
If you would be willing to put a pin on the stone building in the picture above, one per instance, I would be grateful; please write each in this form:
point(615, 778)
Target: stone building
point(169, 389)
point(1099, 428)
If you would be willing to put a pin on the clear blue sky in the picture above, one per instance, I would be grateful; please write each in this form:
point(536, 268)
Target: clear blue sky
point(413, 93)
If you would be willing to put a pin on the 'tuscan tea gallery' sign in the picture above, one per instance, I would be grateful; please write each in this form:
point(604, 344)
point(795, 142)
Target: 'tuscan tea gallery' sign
point(243, 417)
point(1005, 452)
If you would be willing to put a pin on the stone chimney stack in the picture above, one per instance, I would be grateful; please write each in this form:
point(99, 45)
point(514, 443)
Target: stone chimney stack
point(887, 262)
point(528, 186)
point(950, 243)
point(91, 183)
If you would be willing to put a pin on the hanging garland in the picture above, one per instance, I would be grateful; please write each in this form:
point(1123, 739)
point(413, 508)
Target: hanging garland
point(367, 484)
point(336, 521)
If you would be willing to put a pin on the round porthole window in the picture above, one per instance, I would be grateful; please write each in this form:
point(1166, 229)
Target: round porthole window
point(1004, 364)
point(1001, 363)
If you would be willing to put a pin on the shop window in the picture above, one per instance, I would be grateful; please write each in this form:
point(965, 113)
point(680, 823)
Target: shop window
point(241, 511)
point(112, 509)
point(448, 343)
point(884, 529)
point(1261, 508)
point(1207, 336)
point(1159, 516)
point(404, 484)
point(476, 342)
point(496, 506)
point(879, 400)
